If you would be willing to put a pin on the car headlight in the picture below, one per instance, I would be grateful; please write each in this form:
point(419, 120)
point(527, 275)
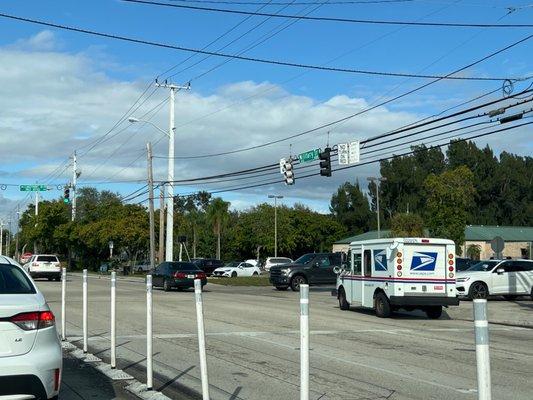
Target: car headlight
point(463, 279)
point(285, 271)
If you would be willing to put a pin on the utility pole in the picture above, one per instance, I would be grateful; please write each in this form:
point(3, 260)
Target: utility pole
point(17, 236)
point(378, 180)
point(161, 223)
point(36, 214)
point(8, 241)
point(74, 182)
point(275, 197)
point(151, 205)
point(1, 237)
point(169, 250)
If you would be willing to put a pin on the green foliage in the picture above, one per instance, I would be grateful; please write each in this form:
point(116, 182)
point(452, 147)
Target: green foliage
point(407, 225)
point(349, 206)
point(473, 251)
point(450, 198)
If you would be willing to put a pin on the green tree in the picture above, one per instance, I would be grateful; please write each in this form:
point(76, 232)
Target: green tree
point(450, 198)
point(473, 251)
point(349, 206)
point(217, 215)
point(404, 224)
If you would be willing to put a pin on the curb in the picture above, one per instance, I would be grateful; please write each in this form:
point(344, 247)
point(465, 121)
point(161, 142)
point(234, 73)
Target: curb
point(133, 385)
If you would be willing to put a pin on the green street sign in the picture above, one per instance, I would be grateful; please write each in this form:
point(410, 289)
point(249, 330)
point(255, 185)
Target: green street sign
point(310, 155)
point(33, 188)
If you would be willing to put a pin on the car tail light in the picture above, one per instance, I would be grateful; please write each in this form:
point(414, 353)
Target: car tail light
point(34, 320)
point(200, 275)
point(425, 240)
point(180, 275)
point(34, 264)
point(57, 375)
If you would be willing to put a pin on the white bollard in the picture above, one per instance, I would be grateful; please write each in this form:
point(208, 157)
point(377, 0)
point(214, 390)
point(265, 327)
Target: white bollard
point(481, 329)
point(63, 304)
point(149, 326)
point(304, 342)
point(85, 327)
point(201, 338)
point(113, 320)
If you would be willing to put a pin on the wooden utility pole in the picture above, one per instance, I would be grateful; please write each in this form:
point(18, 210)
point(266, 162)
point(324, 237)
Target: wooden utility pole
point(161, 223)
point(151, 205)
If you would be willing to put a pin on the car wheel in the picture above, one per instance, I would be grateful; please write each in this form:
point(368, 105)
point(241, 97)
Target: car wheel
point(531, 294)
point(50, 279)
point(296, 282)
point(434, 312)
point(382, 305)
point(343, 303)
point(255, 273)
point(234, 274)
point(478, 290)
point(281, 288)
point(510, 297)
point(58, 279)
point(180, 289)
point(166, 286)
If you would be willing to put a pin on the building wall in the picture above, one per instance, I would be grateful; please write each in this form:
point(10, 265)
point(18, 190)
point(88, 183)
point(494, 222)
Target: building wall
point(340, 248)
point(511, 249)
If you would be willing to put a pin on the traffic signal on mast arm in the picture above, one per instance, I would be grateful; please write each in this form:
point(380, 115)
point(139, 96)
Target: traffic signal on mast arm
point(325, 162)
point(288, 172)
point(66, 194)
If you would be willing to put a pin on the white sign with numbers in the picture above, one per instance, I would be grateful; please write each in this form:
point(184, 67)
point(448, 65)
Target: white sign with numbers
point(348, 153)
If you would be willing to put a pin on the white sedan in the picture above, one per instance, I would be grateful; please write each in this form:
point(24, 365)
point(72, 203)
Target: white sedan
point(30, 351)
point(236, 268)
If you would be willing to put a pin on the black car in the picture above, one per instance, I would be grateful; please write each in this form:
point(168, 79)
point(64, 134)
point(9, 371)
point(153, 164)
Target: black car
point(312, 268)
point(208, 265)
point(180, 275)
point(462, 264)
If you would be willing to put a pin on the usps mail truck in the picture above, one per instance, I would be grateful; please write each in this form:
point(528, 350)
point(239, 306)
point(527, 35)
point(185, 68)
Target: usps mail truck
point(398, 273)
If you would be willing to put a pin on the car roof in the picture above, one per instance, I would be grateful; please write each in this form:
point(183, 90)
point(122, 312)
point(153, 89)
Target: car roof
point(8, 260)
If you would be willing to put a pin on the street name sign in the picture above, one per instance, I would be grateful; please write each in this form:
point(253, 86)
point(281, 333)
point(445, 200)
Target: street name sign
point(310, 155)
point(348, 153)
point(33, 188)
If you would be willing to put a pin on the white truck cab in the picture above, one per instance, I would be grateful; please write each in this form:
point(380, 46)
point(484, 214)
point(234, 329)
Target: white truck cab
point(393, 273)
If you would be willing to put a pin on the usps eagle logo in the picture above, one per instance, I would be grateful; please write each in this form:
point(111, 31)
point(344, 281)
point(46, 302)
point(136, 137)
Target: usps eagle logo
point(380, 260)
point(423, 261)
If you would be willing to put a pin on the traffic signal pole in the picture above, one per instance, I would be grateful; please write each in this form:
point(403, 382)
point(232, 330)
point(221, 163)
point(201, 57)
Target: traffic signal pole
point(151, 205)
point(74, 181)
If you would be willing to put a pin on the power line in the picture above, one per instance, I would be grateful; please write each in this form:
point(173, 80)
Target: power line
point(258, 60)
point(333, 19)
point(295, 3)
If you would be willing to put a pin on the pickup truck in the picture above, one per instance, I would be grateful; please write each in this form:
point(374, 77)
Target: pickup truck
point(311, 268)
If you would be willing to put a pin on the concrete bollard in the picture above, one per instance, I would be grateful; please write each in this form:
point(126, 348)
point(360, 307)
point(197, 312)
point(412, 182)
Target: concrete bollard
point(481, 328)
point(201, 338)
point(113, 320)
point(63, 304)
point(149, 334)
point(304, 342)
point(85, 319)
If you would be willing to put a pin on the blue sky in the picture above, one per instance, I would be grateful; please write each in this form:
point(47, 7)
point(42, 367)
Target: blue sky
point(106, 76)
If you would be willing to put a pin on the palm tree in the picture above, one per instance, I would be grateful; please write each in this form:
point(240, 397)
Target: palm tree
point(217, 214)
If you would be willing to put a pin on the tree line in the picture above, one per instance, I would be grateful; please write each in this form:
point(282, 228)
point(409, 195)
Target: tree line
point(438, 191)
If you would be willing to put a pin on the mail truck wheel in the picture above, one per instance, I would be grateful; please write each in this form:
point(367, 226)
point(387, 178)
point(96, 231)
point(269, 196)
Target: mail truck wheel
point(382, 305)
point(343, 303)
point(434, 312)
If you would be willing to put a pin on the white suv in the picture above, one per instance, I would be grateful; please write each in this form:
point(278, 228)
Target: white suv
point(44, 266)
point(30, 351)
point(508, 278)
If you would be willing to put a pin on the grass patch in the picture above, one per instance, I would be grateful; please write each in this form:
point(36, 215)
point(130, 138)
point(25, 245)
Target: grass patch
point(261, 280)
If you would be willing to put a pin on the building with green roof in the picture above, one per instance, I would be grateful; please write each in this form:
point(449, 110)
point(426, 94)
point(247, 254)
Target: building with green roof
point(518, 240)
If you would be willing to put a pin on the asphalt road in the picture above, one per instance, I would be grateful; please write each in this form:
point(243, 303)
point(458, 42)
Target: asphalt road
point(253, 340)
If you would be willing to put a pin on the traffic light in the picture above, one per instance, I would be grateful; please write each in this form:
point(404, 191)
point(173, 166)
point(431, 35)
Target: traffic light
point(325, 162)
point(288, 172)
point(66, 194)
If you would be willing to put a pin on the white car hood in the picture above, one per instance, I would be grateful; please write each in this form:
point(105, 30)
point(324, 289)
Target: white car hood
point(472, 275)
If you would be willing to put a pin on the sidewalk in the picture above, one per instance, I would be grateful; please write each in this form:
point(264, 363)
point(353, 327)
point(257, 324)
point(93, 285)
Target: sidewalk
point(81, 381)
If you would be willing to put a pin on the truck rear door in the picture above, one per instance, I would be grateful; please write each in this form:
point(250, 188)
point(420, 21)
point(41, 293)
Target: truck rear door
point(425, 269)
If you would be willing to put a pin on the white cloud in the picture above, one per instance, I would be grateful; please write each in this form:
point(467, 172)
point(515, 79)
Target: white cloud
point(42, 41)
point(71, 101)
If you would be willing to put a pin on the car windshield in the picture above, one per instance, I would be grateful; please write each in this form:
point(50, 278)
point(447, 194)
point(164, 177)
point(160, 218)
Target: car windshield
point(483, 266)
point(280, 260)
point(305, 259)
point(14, 281)
point(183, 266)
point(233, 264)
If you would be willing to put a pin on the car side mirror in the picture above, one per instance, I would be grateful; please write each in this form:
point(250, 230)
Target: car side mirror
point(500, 271)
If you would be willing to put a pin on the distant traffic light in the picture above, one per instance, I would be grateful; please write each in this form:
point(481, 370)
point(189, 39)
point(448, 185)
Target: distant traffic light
point(288, 172)
point(66, 194)
point(325, 162)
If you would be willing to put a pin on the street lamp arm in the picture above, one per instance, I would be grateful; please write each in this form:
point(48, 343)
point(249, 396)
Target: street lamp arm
point(134, 120)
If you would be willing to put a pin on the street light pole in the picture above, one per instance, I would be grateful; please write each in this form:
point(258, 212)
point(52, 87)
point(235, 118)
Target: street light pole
point(378, 180)
point(275, 197)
